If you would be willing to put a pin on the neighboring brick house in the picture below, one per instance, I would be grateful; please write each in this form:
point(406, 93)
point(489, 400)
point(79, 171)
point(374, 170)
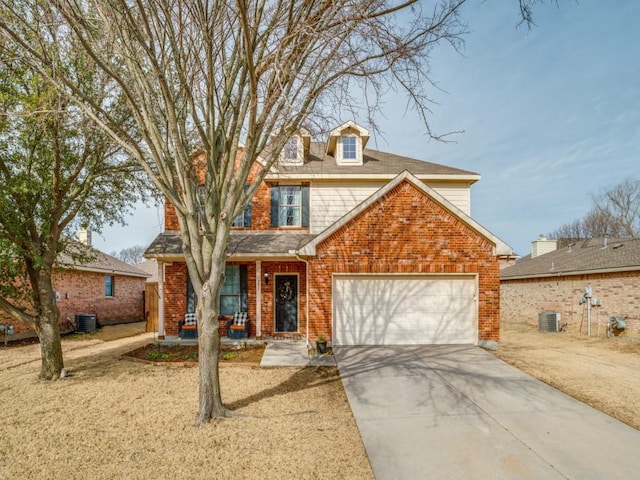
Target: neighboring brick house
point(361, 246)
point(104, 286)
point(555, 280)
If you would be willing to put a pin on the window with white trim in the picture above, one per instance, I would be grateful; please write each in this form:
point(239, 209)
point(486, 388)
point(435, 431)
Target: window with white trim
point(109, 286)
point(349, 148)
point(233, 294)
point(289, 205)
point(244, 219)
point(290, 151)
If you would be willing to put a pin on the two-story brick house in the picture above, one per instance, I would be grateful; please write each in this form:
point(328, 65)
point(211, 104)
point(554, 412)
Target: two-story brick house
point(362, 246)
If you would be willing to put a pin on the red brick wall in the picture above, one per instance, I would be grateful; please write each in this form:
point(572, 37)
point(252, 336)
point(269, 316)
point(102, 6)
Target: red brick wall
point(405, 232)
point(175, 296)
point(260, 208)
point(170, 217)
point(522, 300)
point(83, 292)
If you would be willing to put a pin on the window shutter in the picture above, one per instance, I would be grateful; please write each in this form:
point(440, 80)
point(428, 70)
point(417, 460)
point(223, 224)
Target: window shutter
point(275, 205)
point(244, 290)
point(247, 215)
point(305, 205)
point(191, 296)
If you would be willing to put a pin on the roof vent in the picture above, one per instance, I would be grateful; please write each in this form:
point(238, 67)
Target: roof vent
point(617, 245)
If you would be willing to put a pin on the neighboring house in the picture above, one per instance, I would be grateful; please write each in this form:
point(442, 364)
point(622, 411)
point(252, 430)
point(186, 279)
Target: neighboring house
point(361, 246)
point(555, 280)
point(104, 286)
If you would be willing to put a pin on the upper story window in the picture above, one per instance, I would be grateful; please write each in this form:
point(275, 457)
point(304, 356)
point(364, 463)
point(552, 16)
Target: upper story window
point(294, 148)
point(289, 205)
point(346, 144)
point(244, 219)
point(349, 145)
point(290, 151)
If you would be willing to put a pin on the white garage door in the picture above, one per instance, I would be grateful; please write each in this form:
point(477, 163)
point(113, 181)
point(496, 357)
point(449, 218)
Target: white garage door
point(404, 310)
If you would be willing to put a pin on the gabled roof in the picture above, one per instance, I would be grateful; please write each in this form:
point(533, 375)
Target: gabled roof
point(376, 164)
point(501, 248)
point(583, 257)
point(98, 262)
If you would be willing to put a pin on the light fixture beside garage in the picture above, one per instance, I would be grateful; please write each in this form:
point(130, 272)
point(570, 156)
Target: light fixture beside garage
point(266, 277)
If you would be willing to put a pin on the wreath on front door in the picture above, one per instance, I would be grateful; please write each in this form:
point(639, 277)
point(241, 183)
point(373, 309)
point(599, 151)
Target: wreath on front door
point(286, 293)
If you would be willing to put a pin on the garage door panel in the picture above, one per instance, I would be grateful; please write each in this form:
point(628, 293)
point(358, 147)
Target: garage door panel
point(402, 310)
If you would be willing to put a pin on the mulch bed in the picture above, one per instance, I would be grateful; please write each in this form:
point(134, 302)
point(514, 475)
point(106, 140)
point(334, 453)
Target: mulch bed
point(187, 355)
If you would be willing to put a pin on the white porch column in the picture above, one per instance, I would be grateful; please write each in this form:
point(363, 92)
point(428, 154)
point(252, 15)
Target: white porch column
point(160, 300)
point(258, 299)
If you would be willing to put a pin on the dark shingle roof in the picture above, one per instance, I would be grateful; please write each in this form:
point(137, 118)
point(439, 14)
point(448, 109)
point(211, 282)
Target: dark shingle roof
point(241, 243)
point(585, 256)
point(374, 163)
point(96, 261)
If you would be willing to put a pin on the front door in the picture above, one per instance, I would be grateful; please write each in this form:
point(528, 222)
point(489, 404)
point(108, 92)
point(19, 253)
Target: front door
point(286, 303)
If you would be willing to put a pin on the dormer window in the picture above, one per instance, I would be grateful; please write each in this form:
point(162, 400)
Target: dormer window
point(346, 144)
point(295, 148)
point(290, 152)
point(349, 149)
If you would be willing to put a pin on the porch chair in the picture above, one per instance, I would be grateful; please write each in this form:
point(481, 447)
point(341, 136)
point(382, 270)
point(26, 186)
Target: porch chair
point(238, 326)
point(188, 328)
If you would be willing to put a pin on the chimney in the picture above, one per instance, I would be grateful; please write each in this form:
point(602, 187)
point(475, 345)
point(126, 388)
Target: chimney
point(84, 236)
point(542, 246)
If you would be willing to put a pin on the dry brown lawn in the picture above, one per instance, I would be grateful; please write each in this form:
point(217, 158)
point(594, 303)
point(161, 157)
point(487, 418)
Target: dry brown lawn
point(601, 372)
point(115, 419)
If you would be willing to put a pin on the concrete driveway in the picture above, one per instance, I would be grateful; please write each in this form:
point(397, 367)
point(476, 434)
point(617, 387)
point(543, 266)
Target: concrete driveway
point(458, 412)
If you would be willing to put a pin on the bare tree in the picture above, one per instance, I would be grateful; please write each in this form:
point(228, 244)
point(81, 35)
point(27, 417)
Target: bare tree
point(234, 79)
point(130, 255)
point(622, 203)
point(615, 212)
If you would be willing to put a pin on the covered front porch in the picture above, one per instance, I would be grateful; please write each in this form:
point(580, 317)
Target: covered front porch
point(264, 278)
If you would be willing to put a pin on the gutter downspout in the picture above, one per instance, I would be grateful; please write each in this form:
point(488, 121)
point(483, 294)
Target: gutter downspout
point(258, 299)
point(306, 263)
point(160, 300)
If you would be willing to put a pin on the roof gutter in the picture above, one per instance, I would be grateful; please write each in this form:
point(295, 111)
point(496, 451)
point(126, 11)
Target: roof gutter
point(634, 268)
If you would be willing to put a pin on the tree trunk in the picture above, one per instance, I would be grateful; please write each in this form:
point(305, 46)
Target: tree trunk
point(209, 397)
point(46, 327)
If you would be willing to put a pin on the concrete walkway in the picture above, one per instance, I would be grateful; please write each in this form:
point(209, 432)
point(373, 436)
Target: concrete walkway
point(434, 412)
point(294, 353)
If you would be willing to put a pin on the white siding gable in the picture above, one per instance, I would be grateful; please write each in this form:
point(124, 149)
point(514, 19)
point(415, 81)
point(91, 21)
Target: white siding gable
point(330, 201)
point(457, 193)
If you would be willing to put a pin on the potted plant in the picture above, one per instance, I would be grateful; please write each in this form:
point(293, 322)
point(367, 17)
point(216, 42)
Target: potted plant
point(321, 344)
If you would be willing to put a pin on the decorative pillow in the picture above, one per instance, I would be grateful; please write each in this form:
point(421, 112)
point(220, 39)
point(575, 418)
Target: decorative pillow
point(240, 318)
point(190, 319)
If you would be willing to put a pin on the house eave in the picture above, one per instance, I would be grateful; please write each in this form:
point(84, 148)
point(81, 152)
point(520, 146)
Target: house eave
point(471, 179)
point(104, 270)
point(500, 248)
point(559, 273)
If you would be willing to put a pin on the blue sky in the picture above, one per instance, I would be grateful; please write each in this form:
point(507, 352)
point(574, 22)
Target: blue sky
point(549, 116)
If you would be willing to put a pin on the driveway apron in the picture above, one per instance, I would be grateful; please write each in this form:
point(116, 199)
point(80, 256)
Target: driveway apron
point(434, 412)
